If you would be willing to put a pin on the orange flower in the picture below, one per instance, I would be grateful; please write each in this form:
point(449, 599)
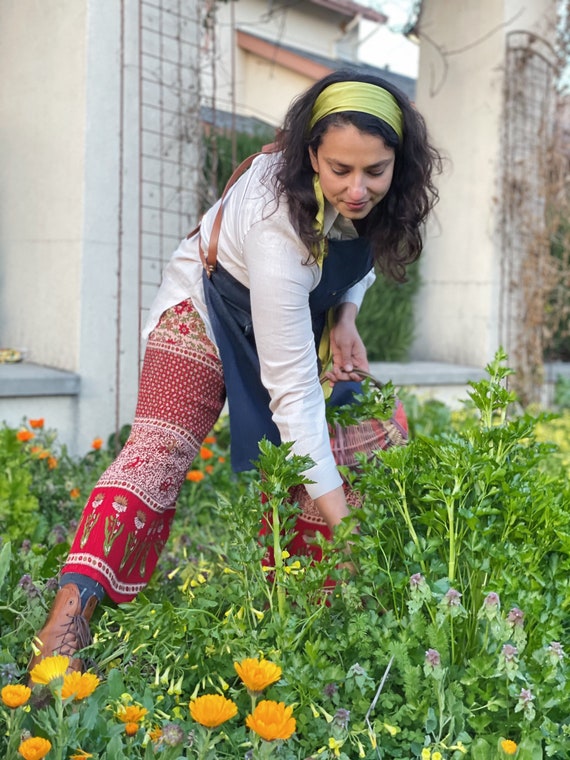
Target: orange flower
point(43, 454)
point(96, 443)
point(75, 493)
point(24, 435)
point(209, 468)
point(272, 720)
point(15, 695)
point(155, 734)
point(212, 710)
point(210, 439)
point(80, 754)
point(508, 746)
point(131, 713)
point(206, 453)
point(195, 476)
point(221, 460)
point(256, 674)
point(131, 728)
point(49, 669)
point(79, 685)
point(39, 423)
point(34, 748)
point(52, 463)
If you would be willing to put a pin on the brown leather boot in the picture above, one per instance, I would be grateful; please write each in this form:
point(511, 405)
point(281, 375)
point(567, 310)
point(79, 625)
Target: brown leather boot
point(66, 629)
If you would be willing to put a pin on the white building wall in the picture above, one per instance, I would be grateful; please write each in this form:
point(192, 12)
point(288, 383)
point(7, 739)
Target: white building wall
point(460, 92)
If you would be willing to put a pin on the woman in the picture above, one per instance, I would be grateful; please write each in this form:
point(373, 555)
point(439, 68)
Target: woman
point(260, 304)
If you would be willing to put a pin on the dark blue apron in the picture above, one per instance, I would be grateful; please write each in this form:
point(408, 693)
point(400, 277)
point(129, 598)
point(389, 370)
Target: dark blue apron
point(229, 309)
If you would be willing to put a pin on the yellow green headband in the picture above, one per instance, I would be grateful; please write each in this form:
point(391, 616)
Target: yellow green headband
point(362, 97)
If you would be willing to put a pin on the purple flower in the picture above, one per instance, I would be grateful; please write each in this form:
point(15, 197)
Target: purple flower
point(525, 697)
point(330, 690)
point(416, 580)
point(516, 617)
point(172, 734)
point(341, 718)
point(492, 600)
point(453, 598)
point(509, 652)
point(433, 658)
point(29, 587)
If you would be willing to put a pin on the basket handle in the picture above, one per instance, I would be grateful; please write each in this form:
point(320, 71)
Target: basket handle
point(364, 374)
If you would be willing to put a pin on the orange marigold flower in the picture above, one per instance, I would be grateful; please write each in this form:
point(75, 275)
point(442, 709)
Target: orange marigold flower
point(24, 435)
point(131, 728)
point(39, 423)
point(206, 453)
point(211, 710)
point(131, 713)
point(272, 720)
point(75, 493)
point(49, 669)
point(209, 468)
point(80, 754)
point(195, 476)
point(508, 746)
point(52, 463)
point(221, 460)
point(15, 695)
point(96, 443)
point(210, 439)
point(79, 685)
point(34, 748)
point(155, 734)
point(256, 674)
point(44, 454)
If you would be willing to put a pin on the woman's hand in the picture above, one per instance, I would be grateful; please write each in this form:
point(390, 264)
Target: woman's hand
point(348, 350)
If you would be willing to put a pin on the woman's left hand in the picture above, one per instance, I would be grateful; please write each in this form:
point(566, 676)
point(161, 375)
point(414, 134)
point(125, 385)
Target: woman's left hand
point(348, 350)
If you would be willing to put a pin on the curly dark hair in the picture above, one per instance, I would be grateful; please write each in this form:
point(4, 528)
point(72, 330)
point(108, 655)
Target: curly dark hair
point(393, 227)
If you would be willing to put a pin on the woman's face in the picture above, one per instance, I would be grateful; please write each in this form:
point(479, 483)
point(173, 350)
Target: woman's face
point(355, 169)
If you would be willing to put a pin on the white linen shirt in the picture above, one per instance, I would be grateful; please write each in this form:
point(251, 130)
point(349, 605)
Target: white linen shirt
point(260, 248)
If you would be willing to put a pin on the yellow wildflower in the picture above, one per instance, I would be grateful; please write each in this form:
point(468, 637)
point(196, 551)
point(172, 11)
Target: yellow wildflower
point(15, 695)
point(436, 755)
point(211, 710)
point(49, 669)
point(272, 720)
point(426, 754)
point(34, 748)
point(131, 713)
point(256, 674)
point(79, 685)
point(508, 746)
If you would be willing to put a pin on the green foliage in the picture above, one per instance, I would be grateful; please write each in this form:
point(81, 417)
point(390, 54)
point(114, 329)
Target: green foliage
point(448, 641)
point(386, 319)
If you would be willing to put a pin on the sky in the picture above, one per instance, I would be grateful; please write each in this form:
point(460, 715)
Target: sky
point(385, 46)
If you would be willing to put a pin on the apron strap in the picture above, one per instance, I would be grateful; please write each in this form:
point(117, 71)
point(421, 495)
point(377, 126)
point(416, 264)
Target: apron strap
point(209, 260)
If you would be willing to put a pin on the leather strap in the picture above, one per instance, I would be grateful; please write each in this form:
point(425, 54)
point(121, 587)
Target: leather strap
point(209, 260)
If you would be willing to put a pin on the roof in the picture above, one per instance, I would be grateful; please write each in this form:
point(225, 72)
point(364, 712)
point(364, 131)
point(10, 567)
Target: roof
point(351, 9)
point(317, 66)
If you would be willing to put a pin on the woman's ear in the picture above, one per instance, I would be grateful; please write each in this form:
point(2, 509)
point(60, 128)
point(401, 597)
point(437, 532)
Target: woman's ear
point(314, 160)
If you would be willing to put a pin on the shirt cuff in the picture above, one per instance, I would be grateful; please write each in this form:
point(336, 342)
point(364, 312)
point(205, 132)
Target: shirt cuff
point(326, 478)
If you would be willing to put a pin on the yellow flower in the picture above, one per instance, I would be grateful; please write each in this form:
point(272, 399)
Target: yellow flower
point(426, 754)
point(79, 685)
point(256, 674)
point(211, 710)
point(80, 754)
point(50, 668)
point(131, 713)
point(34, 748)
point(508, 746)
point(272, 720)
point(436, 755)
point(15, 695)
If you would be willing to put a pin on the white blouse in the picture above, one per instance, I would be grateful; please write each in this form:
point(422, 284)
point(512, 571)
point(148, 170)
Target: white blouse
point(260, 248)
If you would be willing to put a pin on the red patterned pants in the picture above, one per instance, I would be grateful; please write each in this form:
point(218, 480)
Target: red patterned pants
point(127, 518)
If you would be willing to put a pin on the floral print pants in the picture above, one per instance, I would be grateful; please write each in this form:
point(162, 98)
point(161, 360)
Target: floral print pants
point(127, 518)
